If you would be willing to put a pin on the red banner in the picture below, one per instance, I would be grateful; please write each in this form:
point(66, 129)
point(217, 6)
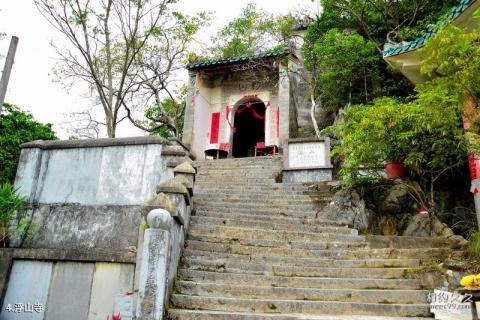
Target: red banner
point(214, 130)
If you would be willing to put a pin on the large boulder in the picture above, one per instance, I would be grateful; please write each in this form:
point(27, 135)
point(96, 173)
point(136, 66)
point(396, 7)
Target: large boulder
point(430, 226)
point(396, 201)
point(347, 207)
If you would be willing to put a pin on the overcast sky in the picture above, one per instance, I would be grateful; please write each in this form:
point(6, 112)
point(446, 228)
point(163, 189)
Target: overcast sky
point(31, 86)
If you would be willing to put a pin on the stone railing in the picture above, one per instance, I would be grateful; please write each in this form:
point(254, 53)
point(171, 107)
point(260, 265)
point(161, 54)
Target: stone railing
point(168, 219)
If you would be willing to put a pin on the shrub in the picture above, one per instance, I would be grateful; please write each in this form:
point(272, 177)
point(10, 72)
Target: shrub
point(13, 214)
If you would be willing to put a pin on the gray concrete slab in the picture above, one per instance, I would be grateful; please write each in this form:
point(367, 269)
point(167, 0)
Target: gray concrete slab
point(28, 285)
point(69, 295)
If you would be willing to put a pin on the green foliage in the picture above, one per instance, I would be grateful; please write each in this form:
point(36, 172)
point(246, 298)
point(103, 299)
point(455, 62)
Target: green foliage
point(347, 39)
point(425, 134)
point(474, 246)
point(403, 20)
point(344, 66)
point(171, 114)
point(252, 32)
point(453, 56)
point(18, 127)
point(13, 214)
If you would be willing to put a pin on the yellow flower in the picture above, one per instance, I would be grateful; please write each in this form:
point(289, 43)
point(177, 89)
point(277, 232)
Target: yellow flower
point(471, 282)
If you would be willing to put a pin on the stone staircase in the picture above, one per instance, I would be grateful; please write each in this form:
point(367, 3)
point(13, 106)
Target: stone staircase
point(256, 251)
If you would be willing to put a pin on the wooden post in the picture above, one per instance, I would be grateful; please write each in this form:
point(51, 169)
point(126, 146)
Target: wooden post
point(7, 70)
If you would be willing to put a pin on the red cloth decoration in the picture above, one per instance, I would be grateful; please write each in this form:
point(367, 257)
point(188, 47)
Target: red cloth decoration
point(215, 128)
point(247, 106)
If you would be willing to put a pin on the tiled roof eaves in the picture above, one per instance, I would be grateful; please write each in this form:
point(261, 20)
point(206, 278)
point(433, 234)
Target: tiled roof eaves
point(419, 42)
point(222, 62)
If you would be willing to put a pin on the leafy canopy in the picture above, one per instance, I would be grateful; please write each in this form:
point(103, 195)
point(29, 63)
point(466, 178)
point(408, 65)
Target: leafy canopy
point(342, 48)
point(345, 65)
point(18, 127)
point(252, 32)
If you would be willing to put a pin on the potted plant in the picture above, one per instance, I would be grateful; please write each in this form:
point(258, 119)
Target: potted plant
point(394, 166)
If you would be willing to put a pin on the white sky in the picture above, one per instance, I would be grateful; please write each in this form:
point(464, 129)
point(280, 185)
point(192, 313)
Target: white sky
point(31, 86)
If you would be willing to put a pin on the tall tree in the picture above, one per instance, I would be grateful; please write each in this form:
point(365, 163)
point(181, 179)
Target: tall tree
point(106, 38)
point(159, 90)
point(252, 32)
point(343, 49)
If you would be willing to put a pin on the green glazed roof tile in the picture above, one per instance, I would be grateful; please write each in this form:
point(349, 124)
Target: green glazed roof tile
point(227, 61)
point(419, 42)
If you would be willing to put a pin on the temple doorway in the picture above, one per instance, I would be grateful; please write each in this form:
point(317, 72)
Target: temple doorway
point(249, 124)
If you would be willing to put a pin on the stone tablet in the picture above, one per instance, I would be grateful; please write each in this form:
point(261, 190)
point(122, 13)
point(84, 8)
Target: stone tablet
point(306, 155)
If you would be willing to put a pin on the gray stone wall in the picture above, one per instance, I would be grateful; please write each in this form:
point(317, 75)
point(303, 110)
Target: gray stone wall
point(105, 172)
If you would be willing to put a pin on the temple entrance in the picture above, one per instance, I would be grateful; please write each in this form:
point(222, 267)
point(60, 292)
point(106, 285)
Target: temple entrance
point(249, 124)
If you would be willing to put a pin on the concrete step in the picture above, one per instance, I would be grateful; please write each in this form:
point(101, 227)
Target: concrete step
point(228, 180)
point(298, 282)
point(285, 244)
point(267, 219)
point(423, 254)
point(224, 265)
point(284, 202)
point(254, 205)
point(307, 294)
point(242, 161)
point(259, 197)
point(223, 231)
point(291, 306)
point(275, 212)
point(302, 261)
point(271, 226)
point(177, 314)
point(213, 171)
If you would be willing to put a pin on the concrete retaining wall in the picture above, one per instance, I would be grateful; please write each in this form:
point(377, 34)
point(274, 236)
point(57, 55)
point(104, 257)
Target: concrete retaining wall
point(96, 172)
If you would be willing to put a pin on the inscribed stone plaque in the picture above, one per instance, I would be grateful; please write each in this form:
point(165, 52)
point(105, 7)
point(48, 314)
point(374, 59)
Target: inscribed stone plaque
point(306, 154)
point(28, 285)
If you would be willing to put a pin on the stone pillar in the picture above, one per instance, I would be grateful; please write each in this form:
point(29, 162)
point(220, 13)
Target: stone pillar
point(189, 120)
point(284, 104)
point(153, 275)
point(186, 171)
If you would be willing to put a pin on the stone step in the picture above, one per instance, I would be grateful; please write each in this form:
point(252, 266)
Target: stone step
point(224, 265)
point(243, 161)
point(423, 254)
point(255, 205)
point(228, 180)
point(222, 231)
point(298, 282)
point(177, 314)
point(276, 212)
point(259, 197)
point(219, 172)
point(268, 219)
point(269, 225)
point(285, 201)
point(285, 244)
point(326, 234)
point(290, 306)
point(307, 294)
point(302, 261)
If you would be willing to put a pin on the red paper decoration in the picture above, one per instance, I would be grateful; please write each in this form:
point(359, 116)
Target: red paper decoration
point(215, 128)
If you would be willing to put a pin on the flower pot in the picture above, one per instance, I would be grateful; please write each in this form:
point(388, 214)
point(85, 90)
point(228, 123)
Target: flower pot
point(395, 170)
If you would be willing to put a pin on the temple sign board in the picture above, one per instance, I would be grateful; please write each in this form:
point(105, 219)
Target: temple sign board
point(307, 160)
point(306, 154)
